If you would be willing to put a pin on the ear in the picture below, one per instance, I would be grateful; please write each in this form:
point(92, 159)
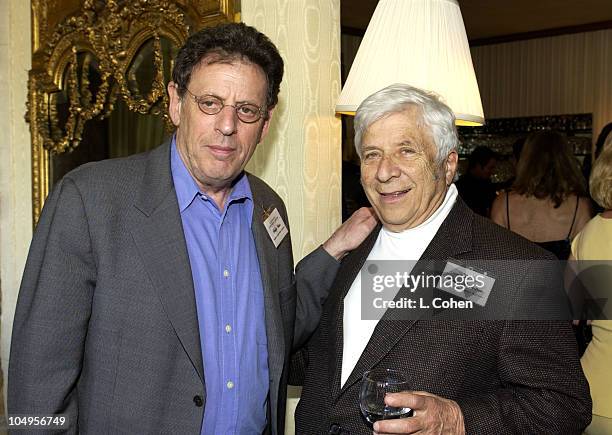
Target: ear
point(174, 108)
point(266, 124)
point(450, 166)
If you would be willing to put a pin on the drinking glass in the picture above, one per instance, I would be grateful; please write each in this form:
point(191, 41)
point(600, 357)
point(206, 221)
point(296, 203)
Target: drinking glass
point(375, 384)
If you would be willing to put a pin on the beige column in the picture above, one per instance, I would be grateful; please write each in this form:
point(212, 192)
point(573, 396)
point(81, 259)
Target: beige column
point(301, 157)
point(15, 170)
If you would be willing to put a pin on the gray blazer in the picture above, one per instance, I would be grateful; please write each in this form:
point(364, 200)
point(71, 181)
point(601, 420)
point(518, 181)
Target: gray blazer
point(106, 326)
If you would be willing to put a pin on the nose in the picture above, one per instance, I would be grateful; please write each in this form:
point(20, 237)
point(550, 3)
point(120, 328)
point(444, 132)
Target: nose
point(226, 121)
point(387, 169)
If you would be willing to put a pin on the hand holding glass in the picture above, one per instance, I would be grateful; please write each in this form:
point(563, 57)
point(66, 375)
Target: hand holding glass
point(375, 384)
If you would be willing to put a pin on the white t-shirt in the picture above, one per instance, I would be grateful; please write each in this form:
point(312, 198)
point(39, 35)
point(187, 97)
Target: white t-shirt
point(406, 245)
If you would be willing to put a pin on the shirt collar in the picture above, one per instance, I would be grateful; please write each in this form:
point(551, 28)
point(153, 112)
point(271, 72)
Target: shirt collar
point(187, 189)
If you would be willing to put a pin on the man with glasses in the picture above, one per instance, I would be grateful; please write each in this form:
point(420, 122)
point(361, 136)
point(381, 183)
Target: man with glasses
point(159, 293)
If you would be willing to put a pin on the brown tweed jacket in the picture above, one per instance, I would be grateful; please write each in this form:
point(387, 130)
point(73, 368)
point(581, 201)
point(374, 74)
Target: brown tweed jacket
point(508, 377)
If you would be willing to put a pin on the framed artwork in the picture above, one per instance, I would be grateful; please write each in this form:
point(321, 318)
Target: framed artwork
point(97, 87)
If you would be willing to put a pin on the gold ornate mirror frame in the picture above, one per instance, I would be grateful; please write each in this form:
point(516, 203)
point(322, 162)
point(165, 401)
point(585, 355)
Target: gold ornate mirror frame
point(70, 37)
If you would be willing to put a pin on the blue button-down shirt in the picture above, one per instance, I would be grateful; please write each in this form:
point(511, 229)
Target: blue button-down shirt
point(230, 304)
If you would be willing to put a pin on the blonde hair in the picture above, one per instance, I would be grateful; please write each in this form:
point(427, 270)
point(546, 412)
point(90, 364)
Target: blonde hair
point(600, 181)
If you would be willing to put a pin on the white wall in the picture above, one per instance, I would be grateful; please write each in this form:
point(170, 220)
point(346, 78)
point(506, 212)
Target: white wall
point(557, 75)
point(15, 169)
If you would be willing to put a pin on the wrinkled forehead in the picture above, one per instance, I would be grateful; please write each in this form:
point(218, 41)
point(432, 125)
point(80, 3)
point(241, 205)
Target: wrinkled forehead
point(227, 78)
point(405, 123)
point(219, 56)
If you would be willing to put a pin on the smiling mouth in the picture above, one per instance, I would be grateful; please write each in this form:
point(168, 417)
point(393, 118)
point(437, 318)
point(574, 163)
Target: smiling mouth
point(395, 194)
point(393, 197)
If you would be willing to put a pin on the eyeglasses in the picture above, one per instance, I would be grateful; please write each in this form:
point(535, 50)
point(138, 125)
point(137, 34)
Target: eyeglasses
point(211, 105)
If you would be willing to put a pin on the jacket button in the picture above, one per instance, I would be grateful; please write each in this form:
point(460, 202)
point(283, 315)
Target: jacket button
point(198, 401)
point(335, 429)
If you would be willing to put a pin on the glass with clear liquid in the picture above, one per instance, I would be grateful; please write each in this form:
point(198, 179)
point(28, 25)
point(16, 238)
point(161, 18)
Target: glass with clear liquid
point(375, 384)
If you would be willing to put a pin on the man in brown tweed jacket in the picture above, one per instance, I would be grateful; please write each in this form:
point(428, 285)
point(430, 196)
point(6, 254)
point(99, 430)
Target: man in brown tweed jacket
point(494, 376)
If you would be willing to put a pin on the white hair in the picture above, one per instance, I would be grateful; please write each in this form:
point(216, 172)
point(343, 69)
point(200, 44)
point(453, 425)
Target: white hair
point(398, 97)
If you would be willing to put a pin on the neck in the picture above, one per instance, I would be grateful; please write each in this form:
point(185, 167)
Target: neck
point(218, 194)
point(434, 205)
point(607, 214)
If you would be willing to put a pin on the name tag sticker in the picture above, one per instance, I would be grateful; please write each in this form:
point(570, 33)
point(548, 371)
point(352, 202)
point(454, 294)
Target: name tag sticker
point(277, 230)
point(467, 283)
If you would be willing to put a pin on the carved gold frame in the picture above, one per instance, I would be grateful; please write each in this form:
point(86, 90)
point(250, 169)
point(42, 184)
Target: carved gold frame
point(112, 31)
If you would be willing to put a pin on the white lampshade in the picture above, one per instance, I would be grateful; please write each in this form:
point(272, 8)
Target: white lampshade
point(421, 43)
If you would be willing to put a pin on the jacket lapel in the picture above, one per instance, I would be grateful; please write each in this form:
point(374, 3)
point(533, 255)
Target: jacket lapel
point(158, 234)
point(268, 266)
point(351, 266)
point(453, 238)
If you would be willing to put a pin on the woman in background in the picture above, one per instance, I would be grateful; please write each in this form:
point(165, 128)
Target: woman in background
point(595, 243)
point(547, 203)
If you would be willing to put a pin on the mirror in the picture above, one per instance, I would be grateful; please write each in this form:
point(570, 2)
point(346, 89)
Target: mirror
point(97, 87)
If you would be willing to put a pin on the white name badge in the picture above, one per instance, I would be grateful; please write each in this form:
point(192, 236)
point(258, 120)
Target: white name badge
point(276, 227)
point(467, 283)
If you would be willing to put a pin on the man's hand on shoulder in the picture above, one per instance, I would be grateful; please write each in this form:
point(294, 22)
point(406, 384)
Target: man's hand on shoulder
point(432, 415)
point(351, 233)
